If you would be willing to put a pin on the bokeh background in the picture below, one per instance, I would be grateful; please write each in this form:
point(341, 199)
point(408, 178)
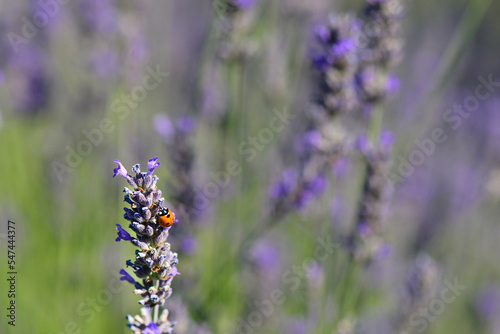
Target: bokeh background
point(62, 78)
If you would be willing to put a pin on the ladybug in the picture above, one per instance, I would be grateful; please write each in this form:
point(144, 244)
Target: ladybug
point(166, 218)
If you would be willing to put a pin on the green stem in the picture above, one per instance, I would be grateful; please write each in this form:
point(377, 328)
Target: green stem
point(156, 307)
point(375, 126)
point(349, 278)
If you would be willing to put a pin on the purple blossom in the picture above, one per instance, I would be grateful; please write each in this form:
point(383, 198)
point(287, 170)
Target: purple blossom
point(320, 62)
point(283, 187)
point(189, 245)
point(174, 272)
point(343, 47)
point(122, 171)
point(311, 189)
point(363, 144)
point(487, 303)
point(98, 15)
point(322, 33)
point(163, 126)
point(126, 277)
point(186, 124)
point(384, 251)
point(309, 141)
point(266, 255)
point(151, 328)
point(175, 221)
point(244, 4)
point(363, 229)
point(122, 234)
point(392, 84)
point(340, 167)
point(317, 184)
point(295, 326)
point(386, 140)
point(152, 164)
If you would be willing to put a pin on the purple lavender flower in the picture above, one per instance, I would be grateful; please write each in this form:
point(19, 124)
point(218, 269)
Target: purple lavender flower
point(188, 245)
point(120, 170)
point(335, 60)
point(244, 4)
point(365, 241)
point(186, 124)
point(285, 185)
point(122, 234)
point(155, 264)
point(420, 287)
point(33, 88)
point(144, 324)
point(126, 277)
point(176, 135)
point(310, 190)
point(265, 255)
point(487, 303)
point(163, 127)
point(152, 164)
point(98, 16)
point(151, 329)
point(379, 49)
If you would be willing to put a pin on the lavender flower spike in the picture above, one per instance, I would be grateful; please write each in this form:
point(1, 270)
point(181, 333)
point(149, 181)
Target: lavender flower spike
point(155, 264)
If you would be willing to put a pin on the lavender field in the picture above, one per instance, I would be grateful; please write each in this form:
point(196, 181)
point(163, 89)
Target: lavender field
point(250, 166)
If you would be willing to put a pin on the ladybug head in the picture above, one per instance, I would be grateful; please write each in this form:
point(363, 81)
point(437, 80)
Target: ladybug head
point(165, 212)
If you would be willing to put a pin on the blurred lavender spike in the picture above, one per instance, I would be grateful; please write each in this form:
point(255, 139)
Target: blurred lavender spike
point(235, 21)
point(177, 136)
point(380, 47)
point(178, 139)
point(366, 242)
point(487, 303)
point(320, 151)
point(420, 287)
point(335, 61)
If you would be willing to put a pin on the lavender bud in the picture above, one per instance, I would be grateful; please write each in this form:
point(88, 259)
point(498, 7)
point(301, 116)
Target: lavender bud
point(137, 227)
point(140, 291)
point(146, 213)
point(136, 169)
point(141, 199)
point(127, 199)
point(140, 244)
point(129, 214)
point(153, 181)
point(139, 179)
point(160, 238)
point(154, 211)
point(150, 263)
point(162, 273)
point(138, 217)
point(147, 181)
point(156, 196)
point(148, 231)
